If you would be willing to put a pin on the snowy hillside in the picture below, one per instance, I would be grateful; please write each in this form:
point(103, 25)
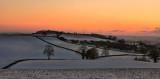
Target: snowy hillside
point(22, 47)
point(4, 63)
point(107, 62)
point(81, 37)
point(28, 47)
point(147, 39)
point(58, 42)
point(75, 46)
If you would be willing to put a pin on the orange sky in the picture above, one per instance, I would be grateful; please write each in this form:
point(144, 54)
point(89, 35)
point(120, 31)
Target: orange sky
point(91, 16)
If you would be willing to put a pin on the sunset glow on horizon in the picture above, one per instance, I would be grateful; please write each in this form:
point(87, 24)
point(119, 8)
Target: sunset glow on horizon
point(113, 17)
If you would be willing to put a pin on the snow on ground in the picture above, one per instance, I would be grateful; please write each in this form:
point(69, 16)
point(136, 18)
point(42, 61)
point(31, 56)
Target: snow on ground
point(21, 47)
point(61, 43)
point(46, 35)
point(3, 63)
point(75, 46)
point(151, 39)
point(81, 37)
point(106, 62)
point(28, 47)
point(81, 74)
point(118, 52)
point(65, 44)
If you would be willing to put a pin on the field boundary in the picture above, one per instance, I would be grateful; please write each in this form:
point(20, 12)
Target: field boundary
point(22, 60)
point(57, 45)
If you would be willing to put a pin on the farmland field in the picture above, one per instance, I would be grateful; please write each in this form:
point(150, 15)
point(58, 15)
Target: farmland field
point(69, 64)
point(27, 47)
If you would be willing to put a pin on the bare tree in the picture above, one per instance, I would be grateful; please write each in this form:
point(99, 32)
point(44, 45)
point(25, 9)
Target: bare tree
point(83, 50)
point(44, 33)
point(59, 34)
point(48, 51)
point(92, 53)
point(105, 51)
point(155, 55)
point(144, 50)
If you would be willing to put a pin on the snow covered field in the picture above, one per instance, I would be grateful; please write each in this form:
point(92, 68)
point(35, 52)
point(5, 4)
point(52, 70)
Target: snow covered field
point(21, 47)
point(75, 46)
point(106, 62)
point(151, 39)
point(27, 47)
point(81, 74)
point(4, 63)
point(61, 43)
point(81, 37)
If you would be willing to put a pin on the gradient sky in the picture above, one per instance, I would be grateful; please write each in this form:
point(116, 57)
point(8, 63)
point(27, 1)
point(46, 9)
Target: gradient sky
point(122, 17)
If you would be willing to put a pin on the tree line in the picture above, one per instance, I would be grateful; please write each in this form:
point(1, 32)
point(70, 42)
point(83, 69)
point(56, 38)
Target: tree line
point(152, 51)
point(91, 53)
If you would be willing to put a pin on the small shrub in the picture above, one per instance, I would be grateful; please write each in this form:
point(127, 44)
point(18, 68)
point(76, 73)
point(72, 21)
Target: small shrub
point(142, 59)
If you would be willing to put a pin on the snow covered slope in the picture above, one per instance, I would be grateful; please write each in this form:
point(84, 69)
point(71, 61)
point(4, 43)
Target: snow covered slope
point(107, 62)
point(4, 63)
point(28, 47)
point(75, 46)
point(148, 39)
point(20, 47)
point(81, 37)
point(58, 42)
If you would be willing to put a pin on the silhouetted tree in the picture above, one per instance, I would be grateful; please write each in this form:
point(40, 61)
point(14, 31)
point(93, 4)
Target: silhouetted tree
point(154, 55)
point(144, 50)
point(105, 51)
point(44, 33)
point(62, 38)
point(112, 37)
point(48, 51)
point(141, 43)
point(74, 41)
point(121, 41)
point(59, 33)
point(83, 50)
point(92, 53)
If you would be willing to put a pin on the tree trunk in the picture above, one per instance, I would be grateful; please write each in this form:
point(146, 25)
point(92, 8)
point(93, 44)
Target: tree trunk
point(155, 60)
point(49, 57)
